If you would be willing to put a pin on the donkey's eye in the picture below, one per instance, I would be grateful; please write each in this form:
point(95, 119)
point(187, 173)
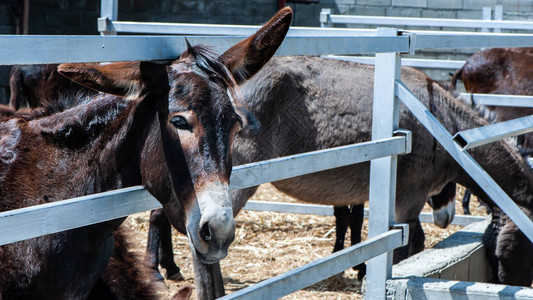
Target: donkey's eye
point(180, 123)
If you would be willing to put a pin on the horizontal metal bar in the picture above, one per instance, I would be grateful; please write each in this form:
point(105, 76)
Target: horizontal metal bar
point(77, 212)
point(327, 210)
point(34, 221)
point(301, 45)
point(453, 39)
point(233, 30)
point(253, 174)
point(465, 39)
point(487, 134)
point(463, 158)
point(26, 49)
point(499, 100)
point(61, 49)
point(301, 277)
point(432, 288)
point(294, 208)
point(461, 220)
point(408, 62)
point(430, 22)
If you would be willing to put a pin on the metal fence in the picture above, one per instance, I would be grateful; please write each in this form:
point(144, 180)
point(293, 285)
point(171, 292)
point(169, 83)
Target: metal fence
point(328, 20)
point(97, 208)
point(382, 150)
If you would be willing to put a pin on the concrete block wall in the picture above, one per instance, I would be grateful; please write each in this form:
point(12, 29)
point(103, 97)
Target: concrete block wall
point(456, 268)
point(79, 16)
point(461, 257)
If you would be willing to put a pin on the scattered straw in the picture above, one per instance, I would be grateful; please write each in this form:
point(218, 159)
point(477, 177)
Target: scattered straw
point(268, 244)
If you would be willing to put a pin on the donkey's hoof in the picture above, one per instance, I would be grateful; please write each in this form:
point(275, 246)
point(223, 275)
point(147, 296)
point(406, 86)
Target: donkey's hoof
point(157, 276)
point(361, 271)
point(175, 276)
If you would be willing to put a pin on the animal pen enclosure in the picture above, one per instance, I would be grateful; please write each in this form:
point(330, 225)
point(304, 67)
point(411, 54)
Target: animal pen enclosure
point(387, 140)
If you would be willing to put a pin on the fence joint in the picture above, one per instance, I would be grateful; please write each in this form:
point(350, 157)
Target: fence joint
point(405, 232)
point(408, 139)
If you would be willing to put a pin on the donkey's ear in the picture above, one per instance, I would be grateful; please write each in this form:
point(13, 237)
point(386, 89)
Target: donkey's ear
point(121, 79)
point(247, 57)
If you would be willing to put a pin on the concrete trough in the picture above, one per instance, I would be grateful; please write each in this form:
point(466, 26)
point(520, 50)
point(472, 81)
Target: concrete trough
point(456, 268)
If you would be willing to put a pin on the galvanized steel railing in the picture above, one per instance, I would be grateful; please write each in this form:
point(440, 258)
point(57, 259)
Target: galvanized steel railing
point(388, 43)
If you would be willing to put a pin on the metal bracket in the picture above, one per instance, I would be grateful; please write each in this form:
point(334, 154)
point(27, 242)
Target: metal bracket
point(412, 40)
point(408, 138)
point(105, 26)
point(325, 19)
point(405, 232)
point(487, 134)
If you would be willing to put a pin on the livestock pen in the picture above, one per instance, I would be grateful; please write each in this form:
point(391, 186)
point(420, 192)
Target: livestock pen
point(387, 142)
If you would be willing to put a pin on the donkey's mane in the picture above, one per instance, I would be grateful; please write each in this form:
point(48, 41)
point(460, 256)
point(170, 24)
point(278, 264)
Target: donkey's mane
point(208, 61)
point(63, 103)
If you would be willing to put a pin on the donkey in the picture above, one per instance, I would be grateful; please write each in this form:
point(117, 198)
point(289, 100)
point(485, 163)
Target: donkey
point(306, 96)
point(501, 71)
point(38, 85)
point(169, 127)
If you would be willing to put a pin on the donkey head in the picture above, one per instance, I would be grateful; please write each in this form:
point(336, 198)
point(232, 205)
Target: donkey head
point(199, 114)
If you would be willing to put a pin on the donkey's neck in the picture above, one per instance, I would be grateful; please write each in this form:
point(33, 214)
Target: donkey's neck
point(500, 159)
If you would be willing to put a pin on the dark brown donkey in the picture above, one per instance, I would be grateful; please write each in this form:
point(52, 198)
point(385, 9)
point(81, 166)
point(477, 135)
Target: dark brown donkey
point(171, 128)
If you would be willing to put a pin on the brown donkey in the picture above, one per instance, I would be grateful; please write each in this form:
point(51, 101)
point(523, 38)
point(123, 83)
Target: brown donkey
point(501, 71)
point(170, 127)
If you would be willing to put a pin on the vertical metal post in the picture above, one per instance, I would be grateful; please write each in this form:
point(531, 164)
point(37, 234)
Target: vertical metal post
point(26, 17)
point(383, 170)
point(487, 16)
point(108, 13)
point(498, 16)
point(325, 19)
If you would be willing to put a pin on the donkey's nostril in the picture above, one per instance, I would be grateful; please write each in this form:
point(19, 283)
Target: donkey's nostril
point(205, 232)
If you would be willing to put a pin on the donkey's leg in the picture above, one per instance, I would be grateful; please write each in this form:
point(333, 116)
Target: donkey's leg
point(515, 256)
point(152, 247)
point(208, 280)
point(489, 241)
point(416, 244)
point(466, 202)
point(357, 216)
point(154, 239)
point(166, 254)
point(342, 220)
point(409, 204)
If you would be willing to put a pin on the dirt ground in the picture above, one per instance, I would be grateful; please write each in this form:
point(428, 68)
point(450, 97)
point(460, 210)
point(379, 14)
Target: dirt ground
point(268, 244)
